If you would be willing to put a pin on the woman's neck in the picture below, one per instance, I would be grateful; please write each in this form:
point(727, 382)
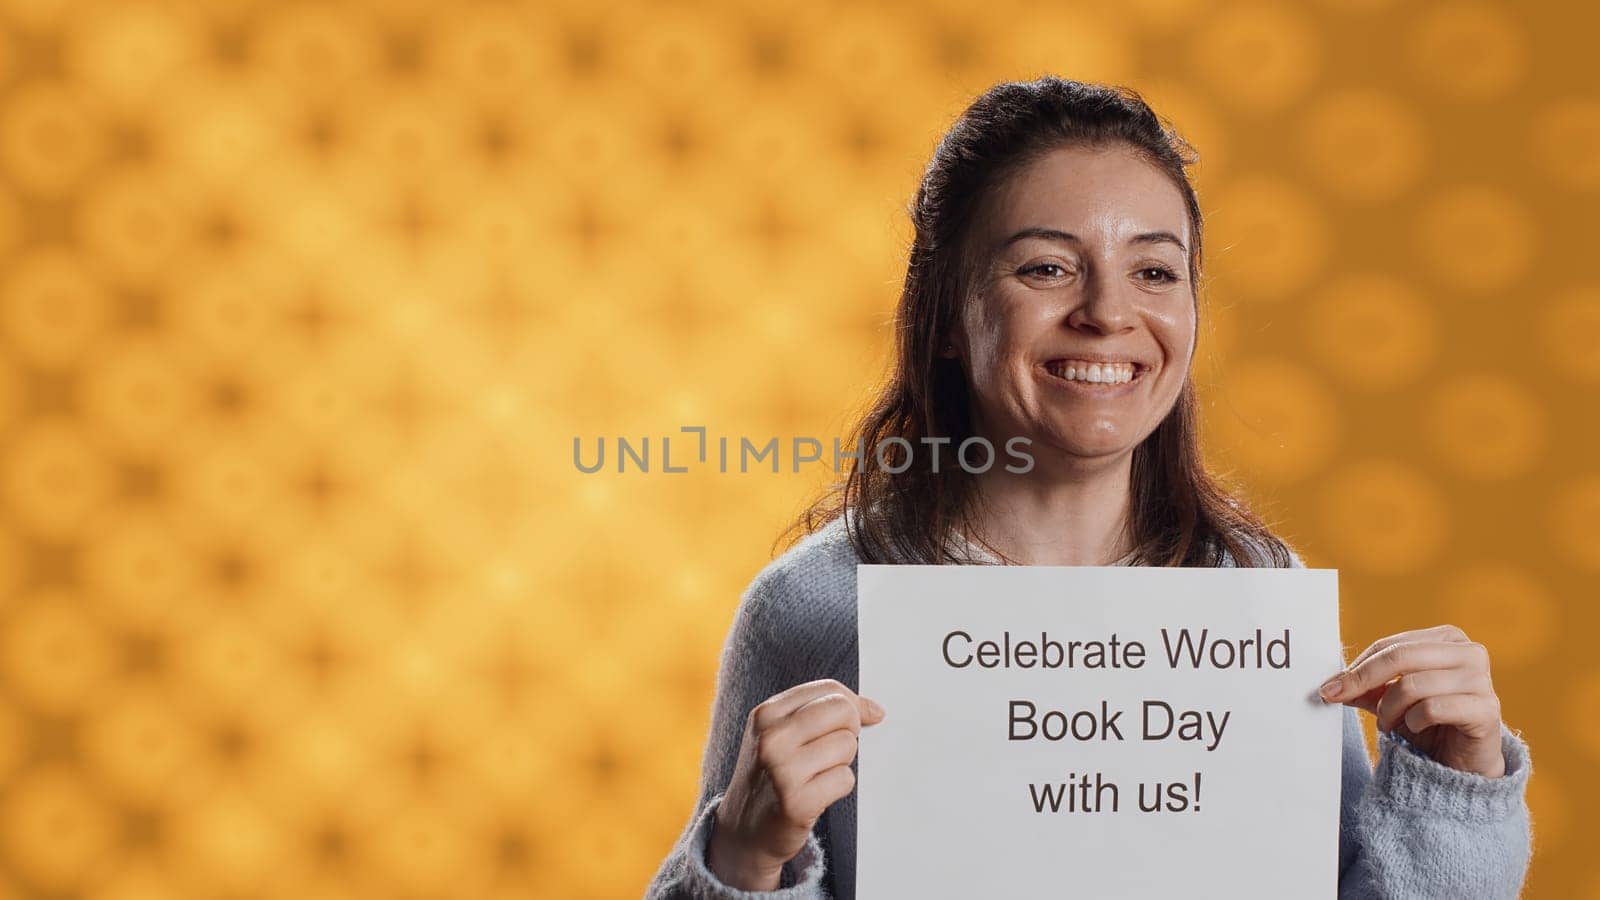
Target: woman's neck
point(1076, 520)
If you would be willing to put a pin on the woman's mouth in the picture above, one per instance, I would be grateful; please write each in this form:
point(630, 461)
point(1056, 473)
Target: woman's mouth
point(1094, 375)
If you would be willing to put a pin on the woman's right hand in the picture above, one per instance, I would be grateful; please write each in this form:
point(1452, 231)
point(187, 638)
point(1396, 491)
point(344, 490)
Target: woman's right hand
point(794, 762)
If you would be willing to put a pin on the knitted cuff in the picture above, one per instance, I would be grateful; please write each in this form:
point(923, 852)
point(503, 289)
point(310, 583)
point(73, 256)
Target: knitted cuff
point(1409, 778)
point(804, 872)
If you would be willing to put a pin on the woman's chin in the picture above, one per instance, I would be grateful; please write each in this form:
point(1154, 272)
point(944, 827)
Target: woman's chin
point(1072, 451)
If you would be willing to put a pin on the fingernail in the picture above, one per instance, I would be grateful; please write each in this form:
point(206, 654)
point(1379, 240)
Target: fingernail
point(872, 704)
point(1331, 688)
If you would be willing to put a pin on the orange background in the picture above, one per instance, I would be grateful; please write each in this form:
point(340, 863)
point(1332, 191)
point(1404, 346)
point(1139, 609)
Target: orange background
point(302, 305)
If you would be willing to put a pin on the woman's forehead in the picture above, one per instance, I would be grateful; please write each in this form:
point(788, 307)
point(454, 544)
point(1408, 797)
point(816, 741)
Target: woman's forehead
point(1095, 193)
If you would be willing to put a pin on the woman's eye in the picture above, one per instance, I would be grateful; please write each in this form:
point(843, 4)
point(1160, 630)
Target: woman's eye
point(1040, 267)
point(1162, 274)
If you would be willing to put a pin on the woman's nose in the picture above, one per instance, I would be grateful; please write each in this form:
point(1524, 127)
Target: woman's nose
point(1104, 306)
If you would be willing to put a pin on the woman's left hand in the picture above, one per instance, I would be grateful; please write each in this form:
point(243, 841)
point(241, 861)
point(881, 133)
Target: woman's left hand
point(1432, 686)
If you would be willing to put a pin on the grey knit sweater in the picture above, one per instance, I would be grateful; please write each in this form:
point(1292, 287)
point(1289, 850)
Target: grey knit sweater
point(1411, 828)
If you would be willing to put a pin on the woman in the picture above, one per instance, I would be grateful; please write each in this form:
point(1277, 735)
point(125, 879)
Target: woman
point(1050, 295)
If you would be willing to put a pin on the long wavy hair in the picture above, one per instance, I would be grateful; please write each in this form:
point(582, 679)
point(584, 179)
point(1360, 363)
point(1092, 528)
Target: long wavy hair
point(1179, 514)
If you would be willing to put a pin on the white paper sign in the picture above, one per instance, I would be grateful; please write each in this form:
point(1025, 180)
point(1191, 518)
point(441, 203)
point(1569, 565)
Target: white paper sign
point(1098, 732)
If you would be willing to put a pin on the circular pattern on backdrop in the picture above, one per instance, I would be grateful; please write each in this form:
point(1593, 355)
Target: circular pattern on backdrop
point(681, 52)
point(140, 570)
point(1504, 606)
point(1372, 331)
point(1569, 330)
point(138, 395)
point(134, 225)
point(1258, 58)
point(321, 49)
point(1486, 426)
point(1383, 516)
point(1363, 145)
point(55, 655)
point(51, 310)
point(1582, 703)
point(1574, 510)
point(13, 221)
point(57, 827)
point(14, 739)
point(1163, 15)
point(125, 53)
point(1216, 334)
point(49, 137)
point(1550, 807)
point(1275, 420)
point(1565, 141)
point(13, 563)
point(13, 394)
point(1477, 238)
point(497, 51)
point(53, 477)
point(1469, 51)
point(1270, 238)
point(1076, 41)
point(140, 739)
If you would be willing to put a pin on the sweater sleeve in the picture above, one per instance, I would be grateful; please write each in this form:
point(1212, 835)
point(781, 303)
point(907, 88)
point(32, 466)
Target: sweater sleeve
point(750, 672)
point(1416, 828)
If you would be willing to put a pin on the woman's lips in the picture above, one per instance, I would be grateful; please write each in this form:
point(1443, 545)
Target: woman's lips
point(1094, 378)
point(1095, 371)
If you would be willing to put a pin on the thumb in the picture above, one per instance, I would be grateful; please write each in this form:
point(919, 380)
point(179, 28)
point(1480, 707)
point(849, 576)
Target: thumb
point(871, 712)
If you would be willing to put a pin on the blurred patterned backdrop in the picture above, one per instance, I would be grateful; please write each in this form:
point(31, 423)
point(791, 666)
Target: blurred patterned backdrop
point(303, 304)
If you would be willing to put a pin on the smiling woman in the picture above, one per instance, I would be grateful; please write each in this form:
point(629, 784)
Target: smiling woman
point(1052, 295)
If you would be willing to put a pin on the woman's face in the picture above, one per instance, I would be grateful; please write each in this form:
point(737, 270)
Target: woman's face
point(1080, 325)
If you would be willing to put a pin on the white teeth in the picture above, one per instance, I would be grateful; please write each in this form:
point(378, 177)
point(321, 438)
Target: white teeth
point(1095, 373)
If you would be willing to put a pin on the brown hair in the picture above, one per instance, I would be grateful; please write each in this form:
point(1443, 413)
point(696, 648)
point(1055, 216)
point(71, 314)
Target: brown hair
point(1179, 514)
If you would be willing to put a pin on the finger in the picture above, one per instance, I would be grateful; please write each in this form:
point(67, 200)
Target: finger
point(1398, 659)
point(822, 790)
point(1369, 701)
point(1400, 695)
point(820, 754)
point(779, 706)
point(829, 712)
point(791, 772)
point(824, 714)
point(776, 741)
point(1436, 633)
point(1476, 714)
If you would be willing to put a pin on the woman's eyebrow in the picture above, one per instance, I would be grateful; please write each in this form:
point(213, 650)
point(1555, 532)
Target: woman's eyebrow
point(1158, 237)
point(1056, 234)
